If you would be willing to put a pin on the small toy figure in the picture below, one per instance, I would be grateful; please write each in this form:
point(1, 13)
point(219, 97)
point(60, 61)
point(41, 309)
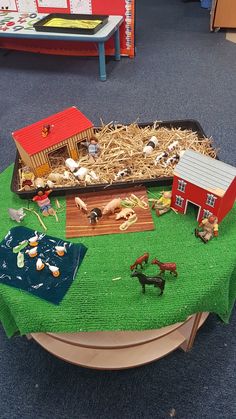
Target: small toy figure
point(39, 264)
point(54, 270)
point(173, 145)
point(139, 261)
point(209, 228)
point(33, 241)
point(71, 164)
point(81, 173)
point(27, 177)
point(93, 147)
point(20, 260)
point(43, 201)
point(123, 173)
point(46, 130)
point(94, 215)
point(32, 252)
point(165, 266)
point(157, 281)
point(162, 205)
point(125, 213)
point(152, 143)
point(173, 159)
point(16, 215)
point(112, 206)
point(160, 157)
point(39, 183)
point(61, 250)
point(80, 204)
point(20, 246)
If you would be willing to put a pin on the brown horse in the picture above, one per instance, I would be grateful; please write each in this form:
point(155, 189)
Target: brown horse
point(142, 259)
point(157, 281)
point(165, 266)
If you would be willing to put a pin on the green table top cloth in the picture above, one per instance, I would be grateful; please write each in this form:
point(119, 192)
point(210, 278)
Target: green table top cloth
point(96, 302)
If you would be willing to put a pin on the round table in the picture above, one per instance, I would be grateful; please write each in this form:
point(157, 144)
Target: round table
point(118, 350)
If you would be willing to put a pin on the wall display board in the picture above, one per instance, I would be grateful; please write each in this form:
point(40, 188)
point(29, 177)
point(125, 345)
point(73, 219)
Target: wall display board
point(27, 14)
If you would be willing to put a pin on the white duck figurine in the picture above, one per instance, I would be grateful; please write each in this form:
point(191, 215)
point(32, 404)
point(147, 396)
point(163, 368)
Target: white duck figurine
point(61, 250)
point(32, 252)
point(33, 241)
point(54, 269)
point(39, 264)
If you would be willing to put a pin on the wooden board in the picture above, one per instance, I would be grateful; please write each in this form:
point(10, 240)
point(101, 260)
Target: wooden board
point(77, 223)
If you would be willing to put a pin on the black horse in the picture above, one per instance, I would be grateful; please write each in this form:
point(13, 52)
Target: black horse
point(157, 281)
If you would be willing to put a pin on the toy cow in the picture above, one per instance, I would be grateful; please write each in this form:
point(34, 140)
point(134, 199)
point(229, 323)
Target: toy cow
point(123, 173)
point(161, 157)
point(172, 159)
point(173, 145)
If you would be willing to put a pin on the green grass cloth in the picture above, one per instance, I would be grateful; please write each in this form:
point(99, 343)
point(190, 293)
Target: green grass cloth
point(206, 280)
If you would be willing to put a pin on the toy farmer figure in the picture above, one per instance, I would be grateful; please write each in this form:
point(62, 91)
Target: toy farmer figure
point(44, 202)
point(209, 228)
point(93, 147)
point(162, 205)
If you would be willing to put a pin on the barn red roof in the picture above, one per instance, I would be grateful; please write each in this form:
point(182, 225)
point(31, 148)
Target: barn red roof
point(63, 124)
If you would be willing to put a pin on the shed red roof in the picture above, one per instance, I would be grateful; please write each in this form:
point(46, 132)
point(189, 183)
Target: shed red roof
point(63, 125)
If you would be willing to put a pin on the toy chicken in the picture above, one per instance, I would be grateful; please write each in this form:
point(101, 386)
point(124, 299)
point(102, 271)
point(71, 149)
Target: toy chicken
point(33, 241)
point(54, 270)
point(39, 264)
point(61, 250)
point(32, 252)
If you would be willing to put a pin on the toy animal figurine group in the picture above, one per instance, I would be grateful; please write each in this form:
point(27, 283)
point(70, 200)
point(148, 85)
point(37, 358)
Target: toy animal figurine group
point(157, 281)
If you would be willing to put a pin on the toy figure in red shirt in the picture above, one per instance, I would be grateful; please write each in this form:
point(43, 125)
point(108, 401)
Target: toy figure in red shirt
point(44, 202)
point(209, 228)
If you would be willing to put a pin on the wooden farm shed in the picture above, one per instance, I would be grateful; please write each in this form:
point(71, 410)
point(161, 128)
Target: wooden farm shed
point(205, 183)
point(66, 130)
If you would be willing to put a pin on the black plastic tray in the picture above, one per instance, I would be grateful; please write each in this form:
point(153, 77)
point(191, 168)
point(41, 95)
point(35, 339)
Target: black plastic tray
point(39, 26)
point(188, 124)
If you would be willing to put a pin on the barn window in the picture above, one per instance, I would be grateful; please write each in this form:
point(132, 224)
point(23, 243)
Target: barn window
point(179, 201)
point(181, 185)
point(211, 199)
point(206, 213)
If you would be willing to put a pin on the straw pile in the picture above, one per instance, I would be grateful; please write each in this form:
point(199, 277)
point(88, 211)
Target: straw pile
point(121, 147)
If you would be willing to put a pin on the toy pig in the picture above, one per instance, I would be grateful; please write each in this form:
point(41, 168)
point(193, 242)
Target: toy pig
point(124, 213)
point(94, 215)
point(16, 215)
point(80, 204)
point(112, 206)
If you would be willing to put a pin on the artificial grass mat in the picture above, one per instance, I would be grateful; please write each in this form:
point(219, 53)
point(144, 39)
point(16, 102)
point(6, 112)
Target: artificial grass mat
point(206, 276)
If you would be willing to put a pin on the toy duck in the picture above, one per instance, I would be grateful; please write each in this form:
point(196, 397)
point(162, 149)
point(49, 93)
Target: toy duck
point(32, 252)
point(54, 269)
point(61, 250)
point(39, 264)
point(33, 241)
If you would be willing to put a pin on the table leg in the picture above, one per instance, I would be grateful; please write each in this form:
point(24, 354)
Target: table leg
point(117, 44)
point(102, 61)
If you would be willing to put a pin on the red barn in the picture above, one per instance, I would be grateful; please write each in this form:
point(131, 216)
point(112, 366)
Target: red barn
point(203, 182)
point(65, 131)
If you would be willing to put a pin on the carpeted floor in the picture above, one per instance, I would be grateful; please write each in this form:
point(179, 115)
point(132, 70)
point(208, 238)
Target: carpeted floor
point(180, 71)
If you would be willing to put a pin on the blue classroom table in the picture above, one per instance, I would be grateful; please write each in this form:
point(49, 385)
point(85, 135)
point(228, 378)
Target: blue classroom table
point(18, 25)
